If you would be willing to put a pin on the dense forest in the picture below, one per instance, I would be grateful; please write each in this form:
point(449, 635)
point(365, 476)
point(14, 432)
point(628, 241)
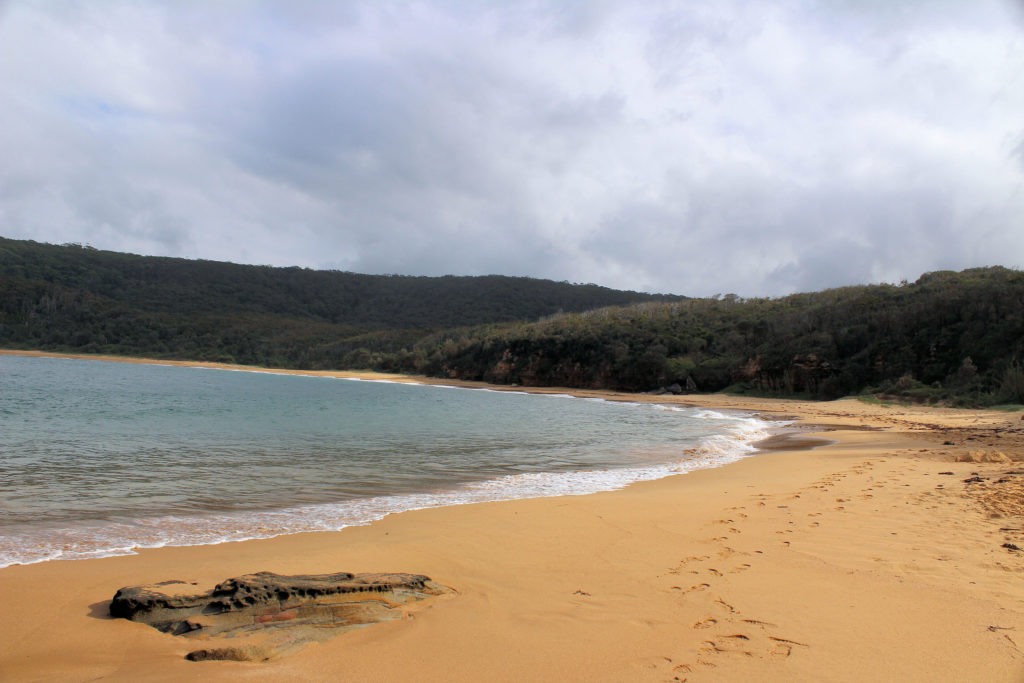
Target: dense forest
point(71, 297)
point(948, 337)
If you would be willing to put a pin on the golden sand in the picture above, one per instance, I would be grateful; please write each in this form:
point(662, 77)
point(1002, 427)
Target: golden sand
point(856, 561)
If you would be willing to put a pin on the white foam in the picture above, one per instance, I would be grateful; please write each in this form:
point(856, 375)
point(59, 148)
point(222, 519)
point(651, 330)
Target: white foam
point(510, 392)
point(705, 414)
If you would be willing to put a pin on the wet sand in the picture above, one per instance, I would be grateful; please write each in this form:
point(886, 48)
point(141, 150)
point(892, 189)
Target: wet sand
point(867, 558)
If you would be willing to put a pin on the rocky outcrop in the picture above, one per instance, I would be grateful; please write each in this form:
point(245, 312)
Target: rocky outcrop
point(674, 389)
point(983, 456)
point(264, 615)
point(804, 373)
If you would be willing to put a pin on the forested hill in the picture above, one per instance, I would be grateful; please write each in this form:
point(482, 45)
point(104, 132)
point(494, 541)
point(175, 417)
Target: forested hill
point(951, 337)
point(177, 286)
point(74, 298)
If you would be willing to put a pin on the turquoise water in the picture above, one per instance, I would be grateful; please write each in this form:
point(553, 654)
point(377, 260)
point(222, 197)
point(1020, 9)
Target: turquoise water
point(100, 458)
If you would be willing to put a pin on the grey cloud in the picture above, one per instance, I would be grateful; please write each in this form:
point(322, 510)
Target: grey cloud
point(696, 148)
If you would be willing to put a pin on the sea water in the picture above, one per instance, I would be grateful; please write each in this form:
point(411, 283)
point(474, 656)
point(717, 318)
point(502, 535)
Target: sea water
point(102, 458)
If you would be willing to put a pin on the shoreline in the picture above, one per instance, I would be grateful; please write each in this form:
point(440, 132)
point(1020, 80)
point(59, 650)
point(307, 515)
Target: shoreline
point(858, 560)
point(983, 426)
point(262, 524)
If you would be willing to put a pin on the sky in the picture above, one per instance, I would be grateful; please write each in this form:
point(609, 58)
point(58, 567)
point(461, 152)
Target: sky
point(692, 147)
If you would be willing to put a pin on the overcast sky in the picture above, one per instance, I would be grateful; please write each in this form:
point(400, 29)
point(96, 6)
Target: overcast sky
point(692, 147)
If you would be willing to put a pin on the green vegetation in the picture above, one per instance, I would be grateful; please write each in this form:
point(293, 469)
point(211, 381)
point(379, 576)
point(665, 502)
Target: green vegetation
point(873, 400)
point(70, 298)
point(952, 338)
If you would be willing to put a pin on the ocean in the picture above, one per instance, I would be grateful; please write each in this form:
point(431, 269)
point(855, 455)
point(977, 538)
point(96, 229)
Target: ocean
point(104, 458)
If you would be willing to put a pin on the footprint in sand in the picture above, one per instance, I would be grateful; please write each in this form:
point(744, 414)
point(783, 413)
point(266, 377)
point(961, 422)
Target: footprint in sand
point(720, 647)
point(783, 646)
point(681, 669)
point(749, 645)
point(692, 558)
point(726, 606)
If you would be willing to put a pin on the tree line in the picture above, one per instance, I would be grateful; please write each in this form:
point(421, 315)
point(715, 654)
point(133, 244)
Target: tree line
point(948, 337)
point(952, 337)
point(70, 297)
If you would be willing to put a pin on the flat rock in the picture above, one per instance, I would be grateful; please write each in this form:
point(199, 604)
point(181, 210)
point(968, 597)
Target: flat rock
point(264, 615)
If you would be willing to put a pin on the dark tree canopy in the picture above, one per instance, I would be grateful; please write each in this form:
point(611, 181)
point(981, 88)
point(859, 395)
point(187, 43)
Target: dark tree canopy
point(72, 297)
point(952, 337)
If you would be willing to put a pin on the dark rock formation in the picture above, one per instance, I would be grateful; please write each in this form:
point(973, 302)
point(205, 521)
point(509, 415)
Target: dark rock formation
point(804, 373)
point(266, 615)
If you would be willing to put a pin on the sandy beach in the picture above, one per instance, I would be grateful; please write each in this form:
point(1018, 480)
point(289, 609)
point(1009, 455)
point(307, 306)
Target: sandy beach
point(866, 558)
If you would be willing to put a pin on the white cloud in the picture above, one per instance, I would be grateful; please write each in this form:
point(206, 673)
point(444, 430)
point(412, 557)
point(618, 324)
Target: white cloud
point(695, 147)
